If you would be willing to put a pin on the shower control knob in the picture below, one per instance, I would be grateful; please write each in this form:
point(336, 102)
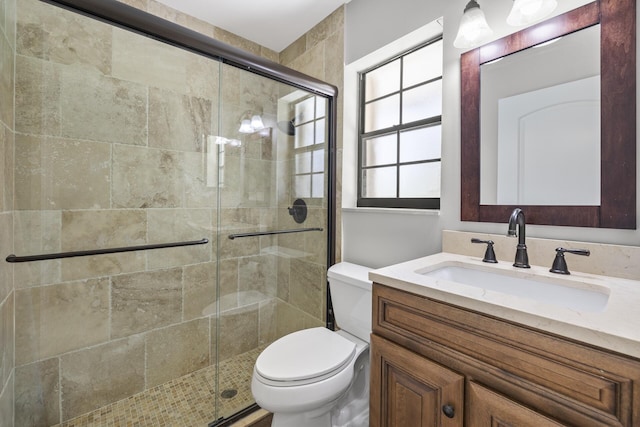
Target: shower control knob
point(448, 410)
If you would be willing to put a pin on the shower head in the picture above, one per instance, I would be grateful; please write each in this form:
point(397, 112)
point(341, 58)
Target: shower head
point(287, 127)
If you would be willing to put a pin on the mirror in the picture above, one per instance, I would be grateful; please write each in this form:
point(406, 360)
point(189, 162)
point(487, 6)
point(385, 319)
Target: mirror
point(540, 106)
point(603, 90)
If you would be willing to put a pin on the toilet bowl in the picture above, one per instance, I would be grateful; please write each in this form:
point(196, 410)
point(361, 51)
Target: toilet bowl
point(316, 377)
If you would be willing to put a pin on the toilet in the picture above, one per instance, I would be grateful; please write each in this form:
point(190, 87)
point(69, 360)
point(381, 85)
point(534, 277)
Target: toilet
point(317, 377)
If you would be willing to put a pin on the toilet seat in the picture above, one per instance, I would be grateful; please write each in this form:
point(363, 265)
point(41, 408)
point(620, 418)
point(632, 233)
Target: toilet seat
point(304, 357)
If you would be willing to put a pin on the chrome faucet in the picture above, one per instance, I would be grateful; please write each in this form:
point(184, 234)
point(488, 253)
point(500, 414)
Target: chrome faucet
point(517, 218)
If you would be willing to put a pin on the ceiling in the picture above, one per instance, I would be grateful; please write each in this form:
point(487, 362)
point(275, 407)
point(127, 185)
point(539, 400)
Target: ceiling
point(274, 24)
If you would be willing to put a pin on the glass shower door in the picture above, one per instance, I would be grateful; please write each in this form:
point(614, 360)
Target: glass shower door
point(122, 141)
point(111, 130)
point(272, 222)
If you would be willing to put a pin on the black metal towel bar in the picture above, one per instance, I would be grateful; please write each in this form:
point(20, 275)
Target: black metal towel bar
point(13, 258)
point(267, 233)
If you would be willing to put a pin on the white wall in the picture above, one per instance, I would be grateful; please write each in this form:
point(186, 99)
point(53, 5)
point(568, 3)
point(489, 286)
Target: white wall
point(372, 238)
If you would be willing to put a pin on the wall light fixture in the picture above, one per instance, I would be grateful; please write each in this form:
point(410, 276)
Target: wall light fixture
point(525, 12)
point(473, 30)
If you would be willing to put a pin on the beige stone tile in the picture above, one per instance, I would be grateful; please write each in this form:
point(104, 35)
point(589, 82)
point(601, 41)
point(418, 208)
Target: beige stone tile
point(258, 273)
point(98, 229)
point(176, 351)
point(235, 221)
point(326, 28)
point(294, 241)
point(176, 225)
point(64, 37)
point(37, 232)
point(101, 108)
point(37, 96)
point(248, 182)
point(199, 192)
point(6, 81)
point(37, 394)
point(149, 62)
point(200, 291)
point(3, 23)
point(101, 375)
point(259, 95)
point(293, 51)
point(178, 122)
point(238, 332)
point(269, 54)
point(203, 77)
point(228, 287)
point(101, 229)
point(138, 4)
point(7, 402)
point(284, 268)
point(315, 243)
point(10, 21)
point(232, 177)
point(6, 339)
point(144, 301)
point(311, 62)
point(195, 24)
point(55, 173)
point(307, 287)
point(161, 10)
point(51, 320)
point(147, 178)
point(236, 41)
point(268, 321)
point(288, 319)
point(6, 246)
point(230, 87)
point(334, 64)
point(8, 166)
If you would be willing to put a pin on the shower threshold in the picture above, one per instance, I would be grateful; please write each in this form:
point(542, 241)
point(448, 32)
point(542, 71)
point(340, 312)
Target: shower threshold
point(188, 401)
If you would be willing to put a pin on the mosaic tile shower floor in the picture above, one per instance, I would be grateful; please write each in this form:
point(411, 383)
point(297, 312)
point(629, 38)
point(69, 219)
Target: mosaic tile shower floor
point(188, 401)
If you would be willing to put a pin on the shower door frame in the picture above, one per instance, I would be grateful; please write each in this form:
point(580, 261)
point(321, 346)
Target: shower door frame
point(130, 18)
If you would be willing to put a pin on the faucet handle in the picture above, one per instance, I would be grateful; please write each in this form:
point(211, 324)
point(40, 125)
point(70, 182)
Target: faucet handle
point(560, 264)
point(489, 254)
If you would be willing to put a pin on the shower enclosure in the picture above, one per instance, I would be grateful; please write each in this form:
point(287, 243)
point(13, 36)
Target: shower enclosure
point(180, 192)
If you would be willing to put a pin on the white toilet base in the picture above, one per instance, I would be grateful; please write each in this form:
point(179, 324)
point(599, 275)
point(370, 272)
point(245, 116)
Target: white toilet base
point(306, 419)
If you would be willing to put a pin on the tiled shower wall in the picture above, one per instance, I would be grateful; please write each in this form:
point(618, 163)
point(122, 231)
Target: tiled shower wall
point(320, 53)
point(7, 55)
point(109, 151)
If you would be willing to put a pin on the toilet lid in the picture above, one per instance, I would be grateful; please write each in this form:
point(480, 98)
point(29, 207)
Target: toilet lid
point(304, 355)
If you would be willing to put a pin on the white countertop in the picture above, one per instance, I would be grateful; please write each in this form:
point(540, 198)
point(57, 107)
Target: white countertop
point(615, 327)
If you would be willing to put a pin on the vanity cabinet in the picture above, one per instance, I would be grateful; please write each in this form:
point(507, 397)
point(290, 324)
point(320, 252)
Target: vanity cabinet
point(436, 364)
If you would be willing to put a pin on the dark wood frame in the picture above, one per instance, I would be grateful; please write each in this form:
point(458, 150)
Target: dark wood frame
point(618, 118)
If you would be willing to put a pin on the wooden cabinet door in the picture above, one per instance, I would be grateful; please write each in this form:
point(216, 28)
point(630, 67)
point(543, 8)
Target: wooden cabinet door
point(486, 408)
point(408, 390)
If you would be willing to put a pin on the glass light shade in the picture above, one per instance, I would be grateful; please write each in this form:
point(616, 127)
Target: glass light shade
point(256, 122)
point(245, 126)
point(473, 30)
point(527, 11)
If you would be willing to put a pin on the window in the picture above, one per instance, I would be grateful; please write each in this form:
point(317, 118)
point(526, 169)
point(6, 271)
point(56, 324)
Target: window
point(309, 142)
point(400, 130)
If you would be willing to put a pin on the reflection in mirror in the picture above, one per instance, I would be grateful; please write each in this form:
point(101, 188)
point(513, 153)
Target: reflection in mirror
point(617, 171)
point(540, 124)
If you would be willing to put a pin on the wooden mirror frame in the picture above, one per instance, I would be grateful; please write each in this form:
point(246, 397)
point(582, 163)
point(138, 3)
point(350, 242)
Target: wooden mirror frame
point(618, 118)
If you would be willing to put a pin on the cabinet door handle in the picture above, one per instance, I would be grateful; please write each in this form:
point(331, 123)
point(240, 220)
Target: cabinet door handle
point(448, 410)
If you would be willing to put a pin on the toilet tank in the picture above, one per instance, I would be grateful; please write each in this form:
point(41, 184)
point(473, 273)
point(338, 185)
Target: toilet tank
point(351, 298)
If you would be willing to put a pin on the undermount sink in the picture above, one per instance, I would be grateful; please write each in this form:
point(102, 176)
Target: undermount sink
point(569, 296)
